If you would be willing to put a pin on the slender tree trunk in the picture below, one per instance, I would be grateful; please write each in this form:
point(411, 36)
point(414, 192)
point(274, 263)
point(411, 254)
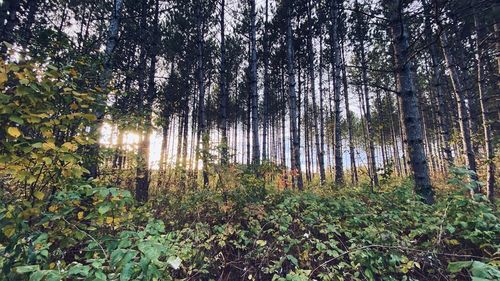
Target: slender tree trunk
point(336, 63)
point(354, 171)
point(408, 98)
point(483, 100)
point(463, 115)
point(321, 107)
point(105, 77)
point(297, 172)
point(443, 118)
point(318, 143)
point(223, 92)
point(369, 130)
point(265, 121)
point(395, 148)
point(253, 87)
point(143, 172)
point(283, 115)
point(202, 122)
point(163, 154)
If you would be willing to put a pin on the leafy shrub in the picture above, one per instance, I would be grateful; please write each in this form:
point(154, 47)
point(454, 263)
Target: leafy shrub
point(91, 233)
point(44, 113)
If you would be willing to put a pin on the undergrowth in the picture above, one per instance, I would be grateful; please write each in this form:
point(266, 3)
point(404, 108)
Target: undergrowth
point(92, 233)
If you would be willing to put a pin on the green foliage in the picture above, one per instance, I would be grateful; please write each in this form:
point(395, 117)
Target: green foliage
point(91, 233)
point(43, 117)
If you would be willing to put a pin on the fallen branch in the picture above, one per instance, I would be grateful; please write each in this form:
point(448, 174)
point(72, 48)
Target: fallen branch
point(391, 247)
point(88, 234)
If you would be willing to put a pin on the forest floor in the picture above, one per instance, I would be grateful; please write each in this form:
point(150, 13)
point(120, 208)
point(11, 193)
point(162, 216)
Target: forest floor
point(250, 233)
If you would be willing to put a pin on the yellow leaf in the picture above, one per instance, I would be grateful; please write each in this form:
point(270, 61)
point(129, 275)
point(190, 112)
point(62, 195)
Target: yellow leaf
point(39, 195)
point(3, 77)
point(14, 132)
point(53, 208)
point(90, 117)
point(47, 160)
point(73, 106)
point(109, 220)
point(80, 215)
point(48, 146)
point(9, 230)
point(69, 146)
point(47, 133)
point(52, 265)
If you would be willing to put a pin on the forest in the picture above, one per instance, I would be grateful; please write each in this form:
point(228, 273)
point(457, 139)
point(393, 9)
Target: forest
point(249, 140)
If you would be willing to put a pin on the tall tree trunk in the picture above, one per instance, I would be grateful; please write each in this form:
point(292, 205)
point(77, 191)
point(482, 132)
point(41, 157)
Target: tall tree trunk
point(163, 154)
point(265, 119)
point(369, 126)
point(354, 170)
point(403, 137)
point(460, 95)
point(443, 118)
point(143, 172)
point(336, 63)
point(408, 98)
point(283, 115)
point(105, 77)
point(321, 107)
point(223, 91)
point(483, 100)
point(319, 148)
point(253, 87)
point(202, 121)
point(297, 172)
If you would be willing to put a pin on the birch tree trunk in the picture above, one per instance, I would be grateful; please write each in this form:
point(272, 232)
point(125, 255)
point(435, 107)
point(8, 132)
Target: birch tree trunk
point(105, 77)
point(354, 170)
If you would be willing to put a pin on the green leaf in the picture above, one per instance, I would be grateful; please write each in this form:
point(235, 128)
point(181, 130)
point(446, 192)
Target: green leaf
point(457, 266)
point(369, 274)
point(100, 276)
point(293, 260)
point(126, 273)
point(46, 275)
point(27, 268)
point(16, 119)
point(82, 270)
point(103, 209)
point(151, 250)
